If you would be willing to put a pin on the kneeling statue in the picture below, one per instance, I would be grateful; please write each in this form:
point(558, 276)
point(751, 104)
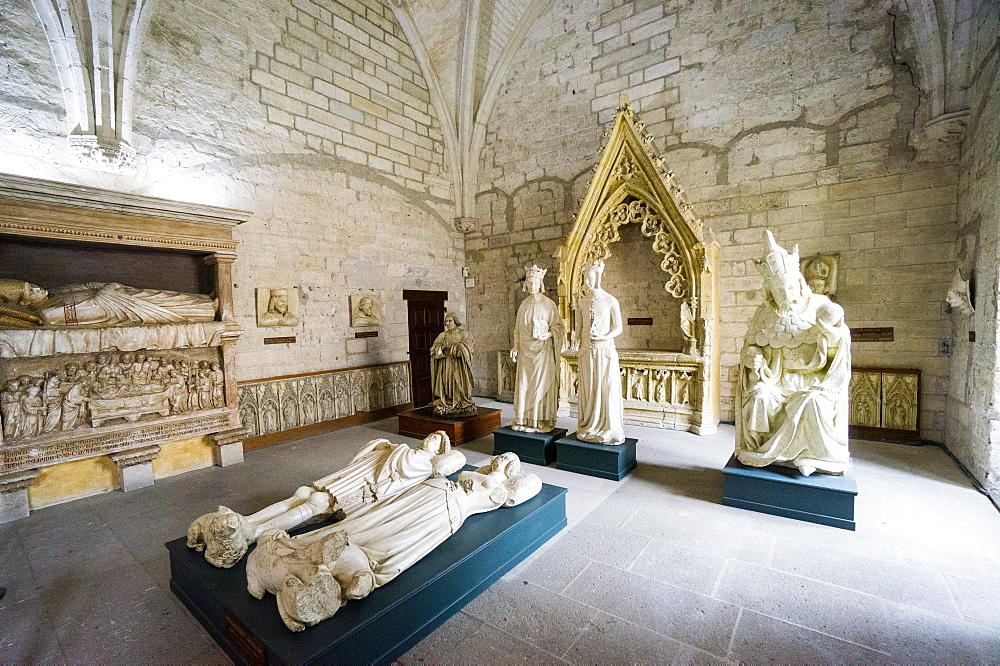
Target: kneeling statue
point(795, 372)
point(312, 575)
point(380, 469)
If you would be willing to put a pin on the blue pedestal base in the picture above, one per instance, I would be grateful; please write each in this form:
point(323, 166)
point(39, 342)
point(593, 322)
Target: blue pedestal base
point(538, 448)
point(601, 460)
point(392, 619)
point(783, 491)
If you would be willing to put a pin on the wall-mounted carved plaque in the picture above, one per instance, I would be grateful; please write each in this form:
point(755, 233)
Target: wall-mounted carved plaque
point(278, 306)
point(820, 272)
point(366, 310)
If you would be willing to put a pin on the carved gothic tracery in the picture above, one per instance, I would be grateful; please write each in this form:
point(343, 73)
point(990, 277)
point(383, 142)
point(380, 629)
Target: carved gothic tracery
point(672, 388)
point(638, 212)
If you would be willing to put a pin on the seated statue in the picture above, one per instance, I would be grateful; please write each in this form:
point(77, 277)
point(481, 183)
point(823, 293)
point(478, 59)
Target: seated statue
point(380, 469)
point(795, 371)
point(24, 305)
point(312, 575)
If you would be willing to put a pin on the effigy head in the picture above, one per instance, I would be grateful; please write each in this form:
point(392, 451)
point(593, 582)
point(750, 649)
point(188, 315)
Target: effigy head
point(783, 280)
point(484, 492)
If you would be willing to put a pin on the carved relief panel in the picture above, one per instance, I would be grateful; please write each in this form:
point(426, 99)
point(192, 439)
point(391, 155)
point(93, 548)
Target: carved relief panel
point(274, 405)
point(885, 403)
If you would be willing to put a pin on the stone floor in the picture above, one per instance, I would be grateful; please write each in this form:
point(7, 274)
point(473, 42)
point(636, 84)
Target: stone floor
point(650, 569)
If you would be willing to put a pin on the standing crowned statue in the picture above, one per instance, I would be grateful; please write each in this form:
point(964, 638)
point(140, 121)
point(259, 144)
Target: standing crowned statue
point(598, 323)
point(538, 335)
point(795, 372)
point(451, 370)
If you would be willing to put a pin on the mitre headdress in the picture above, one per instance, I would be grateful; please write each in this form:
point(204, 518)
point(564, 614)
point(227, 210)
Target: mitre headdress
point(777, 262)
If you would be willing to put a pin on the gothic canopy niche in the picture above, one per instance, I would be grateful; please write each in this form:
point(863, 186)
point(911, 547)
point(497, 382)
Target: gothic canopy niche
point(671, 388)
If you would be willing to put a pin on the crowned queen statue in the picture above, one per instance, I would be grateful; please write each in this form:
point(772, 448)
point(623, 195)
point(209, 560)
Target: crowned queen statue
point(795, 371)
point(538, 335)
point(598, 323)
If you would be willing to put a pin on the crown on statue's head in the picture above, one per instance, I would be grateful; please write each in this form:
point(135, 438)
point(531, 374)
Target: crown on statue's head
point(534, 272)
point(777, 261)
point(594, 266)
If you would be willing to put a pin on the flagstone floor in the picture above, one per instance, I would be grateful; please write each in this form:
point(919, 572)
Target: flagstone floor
point(651, 569)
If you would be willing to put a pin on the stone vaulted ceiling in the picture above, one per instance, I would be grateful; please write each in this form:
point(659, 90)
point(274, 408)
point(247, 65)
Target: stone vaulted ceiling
point(465, 48)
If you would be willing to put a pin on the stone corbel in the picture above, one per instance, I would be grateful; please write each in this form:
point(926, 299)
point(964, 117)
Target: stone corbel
point(228, 449)
point(14, 494)
point(135, 467)
point(466, 225)
point(95, 47)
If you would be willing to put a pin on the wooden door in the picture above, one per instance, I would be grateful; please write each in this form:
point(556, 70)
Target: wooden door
point(425, 316)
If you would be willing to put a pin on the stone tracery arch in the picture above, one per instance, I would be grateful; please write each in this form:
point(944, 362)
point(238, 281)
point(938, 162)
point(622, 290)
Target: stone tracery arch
point(632, 185)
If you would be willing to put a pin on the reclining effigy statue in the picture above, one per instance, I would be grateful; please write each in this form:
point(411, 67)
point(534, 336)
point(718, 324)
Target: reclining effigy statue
point(26, 305)
point(312, 575)
point(795, 372)
point(379, 470)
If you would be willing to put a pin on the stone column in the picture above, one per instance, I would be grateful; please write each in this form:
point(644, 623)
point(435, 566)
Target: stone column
point(223, 263)
point(228, 446)
point(14, 494)
point(135, 467)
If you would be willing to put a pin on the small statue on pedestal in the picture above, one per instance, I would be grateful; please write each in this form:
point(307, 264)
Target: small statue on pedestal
point(451, 370)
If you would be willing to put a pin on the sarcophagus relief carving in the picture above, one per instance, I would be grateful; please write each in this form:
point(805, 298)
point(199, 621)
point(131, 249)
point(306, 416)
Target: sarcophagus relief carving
point(117, 328)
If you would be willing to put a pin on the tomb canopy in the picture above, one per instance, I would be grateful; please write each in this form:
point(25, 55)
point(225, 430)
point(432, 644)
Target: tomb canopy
point(669, 380)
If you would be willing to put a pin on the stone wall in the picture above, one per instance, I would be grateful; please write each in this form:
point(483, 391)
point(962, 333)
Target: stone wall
point(788, 116)
point(973, 432)
point(311, 114)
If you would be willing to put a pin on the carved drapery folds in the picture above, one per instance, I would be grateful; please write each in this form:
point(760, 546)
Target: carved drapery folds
point(670, 387)
point(95, 48)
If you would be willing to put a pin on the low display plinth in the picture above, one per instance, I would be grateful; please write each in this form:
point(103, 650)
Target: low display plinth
point(601, 460)
point(783, 491)
point(388, 622)
point(538, 448)
point(461, 429)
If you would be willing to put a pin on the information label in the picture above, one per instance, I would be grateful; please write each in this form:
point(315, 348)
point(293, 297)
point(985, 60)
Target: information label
point(287, 340)
point(244, 641)
point(872, 334)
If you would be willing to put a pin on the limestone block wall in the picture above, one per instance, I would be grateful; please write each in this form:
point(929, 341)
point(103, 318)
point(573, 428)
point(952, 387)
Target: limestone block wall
point(789, 116)
point(973, 428)
point(313, 115)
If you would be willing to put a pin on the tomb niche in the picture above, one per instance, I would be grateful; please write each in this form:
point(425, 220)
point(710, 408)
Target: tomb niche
point(117, 336)
point(662, 265)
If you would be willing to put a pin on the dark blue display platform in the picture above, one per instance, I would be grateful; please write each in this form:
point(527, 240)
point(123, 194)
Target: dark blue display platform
point(601, 460)
point(783, 491)
point(392, 619)
point(531, 447)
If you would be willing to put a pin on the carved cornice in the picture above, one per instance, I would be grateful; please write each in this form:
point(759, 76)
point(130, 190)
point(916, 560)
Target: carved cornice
point(135, 456)
point(10, 483)
point(37, 190)
point(114, 440)
point(231, 436)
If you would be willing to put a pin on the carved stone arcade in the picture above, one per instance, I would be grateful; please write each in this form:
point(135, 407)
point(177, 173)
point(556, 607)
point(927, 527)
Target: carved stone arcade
point(73, 392)
point(282, 403)
point(676, 389)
